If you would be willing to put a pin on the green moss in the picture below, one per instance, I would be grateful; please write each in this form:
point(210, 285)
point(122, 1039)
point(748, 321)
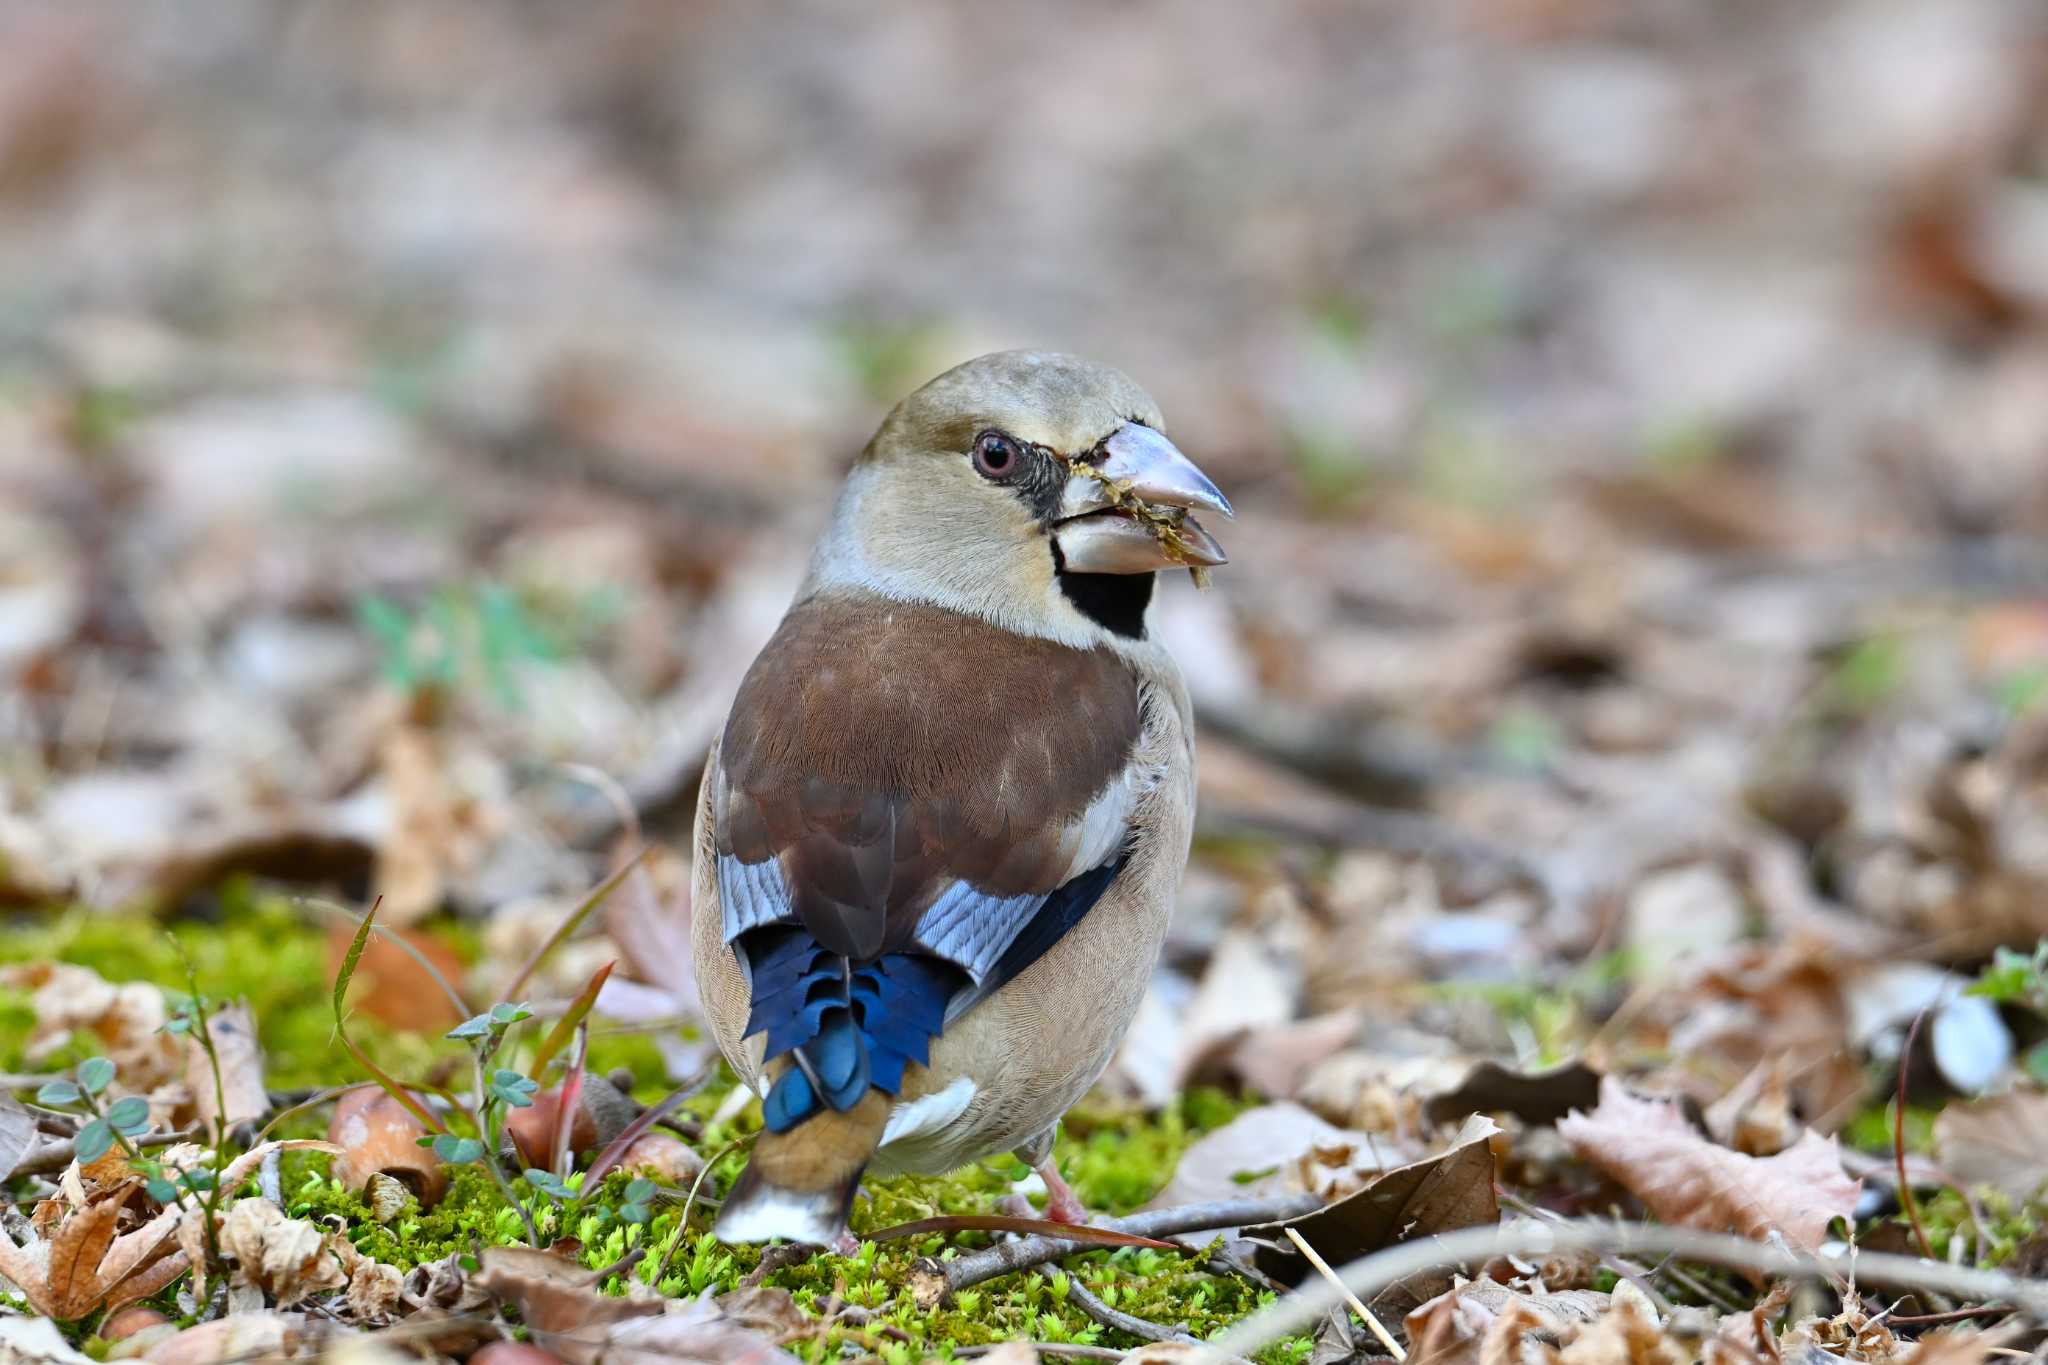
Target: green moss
point(1871, 1130)
point(2006, 1226)
point(268, 951)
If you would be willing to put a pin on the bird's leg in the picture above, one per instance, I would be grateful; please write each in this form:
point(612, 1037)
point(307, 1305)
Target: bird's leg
point(1062, 1205)
point(846, 1244)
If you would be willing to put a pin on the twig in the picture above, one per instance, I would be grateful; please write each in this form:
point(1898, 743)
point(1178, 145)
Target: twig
point(1365, 1314)
point(933, 1281)
point(57, 1155)
point(1090, 1303)
point(1371, 1274)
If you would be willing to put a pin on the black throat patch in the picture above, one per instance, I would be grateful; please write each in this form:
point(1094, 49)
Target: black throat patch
point(1114, 601)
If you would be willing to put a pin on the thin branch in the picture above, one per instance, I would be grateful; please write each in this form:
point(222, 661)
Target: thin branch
point(1371, 1274)
point(56, 1156)
point(1091, 1304)
point(933, 1281)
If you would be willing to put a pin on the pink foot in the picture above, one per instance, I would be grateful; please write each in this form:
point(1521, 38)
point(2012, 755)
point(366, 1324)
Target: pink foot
point(1062, 1205)
point(846, 1244)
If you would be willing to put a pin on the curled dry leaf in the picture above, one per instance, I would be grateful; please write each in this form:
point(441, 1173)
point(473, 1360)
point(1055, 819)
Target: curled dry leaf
point(289, 1259)
point(1541, 1097)
point(125, 1022)
point(240, 1088)
point(377, 1136)
point(1628, 1333)
point(1454, 1189)
point(1648, 1148)
point(1996, 1142)
point(555, 1295)
point(1449, 1329)
point(375, 1291)
point(574, 1319)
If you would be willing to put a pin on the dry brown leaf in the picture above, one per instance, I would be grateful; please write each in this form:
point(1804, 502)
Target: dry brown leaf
point(248, 1336)
point(555, 1295)
point(1274, 1059)
point(1275, 1148)
point(82, 1264)
point(374, 1291)
point(1452, 1190)
point(1649, 1149)
point(1628, 1333)
point(17, 1133)
point(1532, 1096)
point(378, 1136)
point(125, 1021)
point(289, 1259)
point(1996, 1142)
point(1450, 1328)
point(438, 828)
point(390, 986)
point(648, 919)
point(240, 1085)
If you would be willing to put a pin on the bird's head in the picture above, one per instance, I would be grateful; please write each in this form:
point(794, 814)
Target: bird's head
point(1036, 490)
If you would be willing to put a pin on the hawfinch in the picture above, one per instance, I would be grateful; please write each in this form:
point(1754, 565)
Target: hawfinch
point(941, 834)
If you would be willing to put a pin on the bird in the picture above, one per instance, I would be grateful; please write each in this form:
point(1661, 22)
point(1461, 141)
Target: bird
point(940, 835)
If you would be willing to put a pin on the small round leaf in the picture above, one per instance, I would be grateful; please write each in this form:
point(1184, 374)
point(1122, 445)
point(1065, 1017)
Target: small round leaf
point(94, 1141)
point(95, 1075)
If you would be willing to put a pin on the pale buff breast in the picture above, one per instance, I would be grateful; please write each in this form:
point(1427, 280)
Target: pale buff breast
point(1032, 1049)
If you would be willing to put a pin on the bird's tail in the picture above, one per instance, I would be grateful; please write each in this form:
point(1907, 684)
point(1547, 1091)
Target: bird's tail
point(799, 1185)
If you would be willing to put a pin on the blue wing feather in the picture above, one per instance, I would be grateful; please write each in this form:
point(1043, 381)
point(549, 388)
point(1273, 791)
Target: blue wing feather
point(856, 1026)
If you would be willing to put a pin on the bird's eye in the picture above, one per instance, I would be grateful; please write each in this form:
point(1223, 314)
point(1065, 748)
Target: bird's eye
point(995, 455)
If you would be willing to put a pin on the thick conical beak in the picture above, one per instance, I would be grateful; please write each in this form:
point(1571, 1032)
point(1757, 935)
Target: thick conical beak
point(1126, 511)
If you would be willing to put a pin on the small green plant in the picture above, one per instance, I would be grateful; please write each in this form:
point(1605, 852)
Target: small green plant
point(475, 634)
point(2021, 980)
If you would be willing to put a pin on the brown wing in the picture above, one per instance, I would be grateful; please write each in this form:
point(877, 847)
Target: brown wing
point(880, 753)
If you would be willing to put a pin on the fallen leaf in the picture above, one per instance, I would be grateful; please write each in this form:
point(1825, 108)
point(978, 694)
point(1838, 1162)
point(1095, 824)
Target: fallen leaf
point(240, 1087)
point(648, 918)
point(1628, 1333)
point(554, 1295)
point(1650, 1150)
point(17, 1133)
point(124, 1022)
point(1272, 1060)
point(390, 986)
point(1541, 1097)
point(1449, 1329)
point(289, 1259)
point(36, 1341)
point(1996, 1142)
point(1271, 1149)
point(1452, 1190)
point(374, 1292)
point(247, 1336)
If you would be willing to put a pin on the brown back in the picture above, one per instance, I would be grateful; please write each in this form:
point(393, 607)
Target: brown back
point(882, 750)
